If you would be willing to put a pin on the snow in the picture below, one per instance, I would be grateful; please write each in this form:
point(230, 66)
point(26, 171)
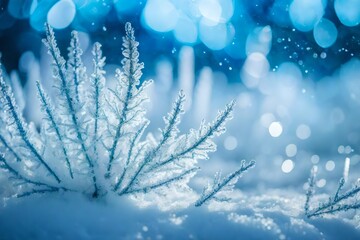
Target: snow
point(277, 214)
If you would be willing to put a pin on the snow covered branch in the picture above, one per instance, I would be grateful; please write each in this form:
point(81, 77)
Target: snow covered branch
point(129, 97)
point(198, 143)
point(17, 125)
point(9, 148)
point(47, 108)
point(67, 91)
point(75, 66)
point(95, 140)
point(96, 100)
point(339, 202)
point(26, 180)
point(221, 184)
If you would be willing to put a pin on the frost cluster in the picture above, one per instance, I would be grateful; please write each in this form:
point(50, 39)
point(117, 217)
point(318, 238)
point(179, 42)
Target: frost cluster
point(93, 139)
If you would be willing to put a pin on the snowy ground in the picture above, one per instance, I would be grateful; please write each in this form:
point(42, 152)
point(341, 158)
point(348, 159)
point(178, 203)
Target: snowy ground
point(273, 215)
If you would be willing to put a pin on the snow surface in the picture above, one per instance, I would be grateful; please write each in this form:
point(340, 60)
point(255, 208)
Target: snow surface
point(274, 215)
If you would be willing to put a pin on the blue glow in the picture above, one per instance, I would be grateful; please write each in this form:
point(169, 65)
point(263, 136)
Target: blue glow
point(280, 13)
point(216, 11)
point(325, 33)
point(94, 11)
point(227, 7)
point(61, 14)
point(39, 14)
point(211, 10)
point(33, 6)
point(6, 21)
point(80, 3)
point(259, 40)
point(160, 15)
point(236, 48)
point(188, 8)
point(186, 30)
point(348, 12)
point(215, 37)
point(19, 8)
point(123, 6)
point(91, 15)
point(305, 14)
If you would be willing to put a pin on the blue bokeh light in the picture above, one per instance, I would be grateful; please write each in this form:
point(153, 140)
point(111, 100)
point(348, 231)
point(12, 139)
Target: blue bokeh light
point(186, 30)
point(39, 15)
point(348, 12)
point(61, 14)
point(305, 14)
point(211, 10)
point(226, 31)
point(204, 20)
point(20, 8)
point(325, 33)
point(160, 15)
point(215, 37)
point(227, 12)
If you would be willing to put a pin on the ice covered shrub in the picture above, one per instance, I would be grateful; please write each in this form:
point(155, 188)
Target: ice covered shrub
point(92, 138)
point(338, 203)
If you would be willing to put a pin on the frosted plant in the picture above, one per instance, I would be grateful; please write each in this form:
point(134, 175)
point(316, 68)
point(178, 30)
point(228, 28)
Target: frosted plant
point(222, 184)
point(93, 141)
point(339, 202)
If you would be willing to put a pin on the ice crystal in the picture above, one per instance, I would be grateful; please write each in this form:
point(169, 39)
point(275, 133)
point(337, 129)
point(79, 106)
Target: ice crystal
point(221, 184)
point(338, 203)
point(94, 140)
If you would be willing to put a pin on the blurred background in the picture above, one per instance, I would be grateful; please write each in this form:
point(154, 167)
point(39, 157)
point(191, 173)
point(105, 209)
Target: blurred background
point(292, 65)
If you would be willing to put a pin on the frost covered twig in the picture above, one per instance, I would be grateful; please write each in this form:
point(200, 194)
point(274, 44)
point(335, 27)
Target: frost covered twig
point(340, 202)
point(201, 139)
point(67, 90)
point(47, 108)
point(164, 182)
point(96, 93)
point(25, 180)
point(17, 125)
point(311, 189)
point(134, 140)
point(128, 97)
point(75, 65)
point(170, 131)
point(9, 148)
point(219, 184)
